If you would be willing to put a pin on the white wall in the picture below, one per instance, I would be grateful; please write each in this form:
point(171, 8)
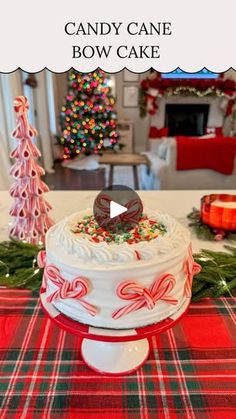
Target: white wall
point(141, 125)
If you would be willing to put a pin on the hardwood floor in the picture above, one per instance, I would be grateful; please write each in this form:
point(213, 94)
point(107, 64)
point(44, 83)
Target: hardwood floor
point(69, 179)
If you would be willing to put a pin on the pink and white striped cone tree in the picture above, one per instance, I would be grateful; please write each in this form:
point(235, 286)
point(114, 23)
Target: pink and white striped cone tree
point(30, 210)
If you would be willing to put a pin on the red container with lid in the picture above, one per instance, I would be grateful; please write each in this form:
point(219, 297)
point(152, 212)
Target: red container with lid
point(219, 211)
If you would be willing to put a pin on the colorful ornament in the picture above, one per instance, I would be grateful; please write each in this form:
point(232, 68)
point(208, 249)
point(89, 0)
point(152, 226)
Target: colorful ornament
point(30, 209)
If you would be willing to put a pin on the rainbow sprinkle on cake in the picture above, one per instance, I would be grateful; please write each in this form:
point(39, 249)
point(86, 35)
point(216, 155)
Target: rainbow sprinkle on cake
point(146, 230)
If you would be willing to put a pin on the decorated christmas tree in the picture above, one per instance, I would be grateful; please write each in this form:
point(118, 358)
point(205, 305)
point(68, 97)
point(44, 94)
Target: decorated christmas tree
point(29, 209)
point(88, 119)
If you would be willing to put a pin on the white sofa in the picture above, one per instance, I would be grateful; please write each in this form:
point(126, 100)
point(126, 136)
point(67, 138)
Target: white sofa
point(163, 174)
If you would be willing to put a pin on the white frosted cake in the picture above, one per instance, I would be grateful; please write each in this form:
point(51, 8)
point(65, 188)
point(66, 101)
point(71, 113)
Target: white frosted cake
point(118, 281)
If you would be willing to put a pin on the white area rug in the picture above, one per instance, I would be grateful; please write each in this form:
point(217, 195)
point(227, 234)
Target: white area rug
point(122, 175)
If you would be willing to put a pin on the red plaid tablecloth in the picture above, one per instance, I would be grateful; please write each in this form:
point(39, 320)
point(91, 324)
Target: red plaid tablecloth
point(190, 373)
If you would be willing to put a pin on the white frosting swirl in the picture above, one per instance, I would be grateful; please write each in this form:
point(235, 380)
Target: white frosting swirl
point(112, 253)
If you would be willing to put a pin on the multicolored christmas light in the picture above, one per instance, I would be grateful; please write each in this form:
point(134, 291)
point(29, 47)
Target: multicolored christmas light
point(88, 120)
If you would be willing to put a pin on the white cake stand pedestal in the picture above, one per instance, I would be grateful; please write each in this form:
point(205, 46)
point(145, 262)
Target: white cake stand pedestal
point(109, 351)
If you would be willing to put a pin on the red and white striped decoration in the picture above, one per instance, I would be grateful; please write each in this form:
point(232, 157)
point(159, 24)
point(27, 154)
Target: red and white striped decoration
point(134, 208)
point(41, 259)
point(21, 105)
point(77, 288)
point(191, 268)
point(137, 255)
point(143, 297)
point(30, 211)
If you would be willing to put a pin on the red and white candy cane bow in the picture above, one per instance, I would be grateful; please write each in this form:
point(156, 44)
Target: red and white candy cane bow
point(191, 268)
point(143, 297)
point(134, 208)
point(21, 105)
point(77, 288)
point(23, 128)
point(42, 260)
point(103, 203)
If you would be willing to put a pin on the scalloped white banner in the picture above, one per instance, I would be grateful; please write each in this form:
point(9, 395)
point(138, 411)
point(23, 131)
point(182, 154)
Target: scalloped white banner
point(137, 35)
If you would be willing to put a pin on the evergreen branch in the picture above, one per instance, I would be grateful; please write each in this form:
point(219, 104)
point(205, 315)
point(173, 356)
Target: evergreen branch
point(18, 265)
point(203, 231)
point(218, 274)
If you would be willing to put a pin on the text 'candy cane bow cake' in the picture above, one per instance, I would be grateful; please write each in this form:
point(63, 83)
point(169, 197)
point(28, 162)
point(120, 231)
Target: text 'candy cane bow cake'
point(118, 281)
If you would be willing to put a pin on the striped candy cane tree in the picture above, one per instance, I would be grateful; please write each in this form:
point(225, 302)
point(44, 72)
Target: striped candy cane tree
point(30, 210)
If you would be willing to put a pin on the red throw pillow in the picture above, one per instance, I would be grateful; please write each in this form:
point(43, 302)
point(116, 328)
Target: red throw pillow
point(215, 130)
point(219, 131)
point(155, 132)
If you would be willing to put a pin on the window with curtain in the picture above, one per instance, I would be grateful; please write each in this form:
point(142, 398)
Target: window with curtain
point(29, 93)
point(179, 74)
point(6, 143)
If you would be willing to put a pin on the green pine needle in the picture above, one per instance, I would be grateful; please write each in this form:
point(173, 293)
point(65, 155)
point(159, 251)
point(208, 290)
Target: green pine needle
point(218, 274)
point(18, 265)
point(202, 230)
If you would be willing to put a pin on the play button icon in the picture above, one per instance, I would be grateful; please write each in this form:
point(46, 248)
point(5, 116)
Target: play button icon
point(117, 209)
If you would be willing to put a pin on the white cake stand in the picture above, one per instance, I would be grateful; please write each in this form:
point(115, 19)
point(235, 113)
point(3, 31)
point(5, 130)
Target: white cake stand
point(109, 351)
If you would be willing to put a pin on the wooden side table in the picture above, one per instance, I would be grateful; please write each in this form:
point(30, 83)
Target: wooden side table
point(124, 159)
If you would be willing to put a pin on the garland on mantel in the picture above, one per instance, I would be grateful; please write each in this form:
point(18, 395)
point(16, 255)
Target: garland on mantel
point(19, 269)
point(154, 87)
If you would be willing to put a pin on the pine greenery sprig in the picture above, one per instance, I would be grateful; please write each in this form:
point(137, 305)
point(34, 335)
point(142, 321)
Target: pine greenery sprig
point(18, 265)
point(218, 274)
point(203, 231)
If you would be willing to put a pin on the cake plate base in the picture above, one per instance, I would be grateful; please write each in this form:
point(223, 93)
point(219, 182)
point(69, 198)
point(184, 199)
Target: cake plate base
point(114, 357)
point(110, 351)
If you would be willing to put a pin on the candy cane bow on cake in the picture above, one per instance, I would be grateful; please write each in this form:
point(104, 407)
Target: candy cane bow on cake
point(191, 268)
point(77, 288)
point(144, 297)
point(134, 208)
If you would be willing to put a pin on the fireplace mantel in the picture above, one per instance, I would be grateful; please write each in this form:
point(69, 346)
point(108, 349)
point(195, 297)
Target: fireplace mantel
point(215, 116)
